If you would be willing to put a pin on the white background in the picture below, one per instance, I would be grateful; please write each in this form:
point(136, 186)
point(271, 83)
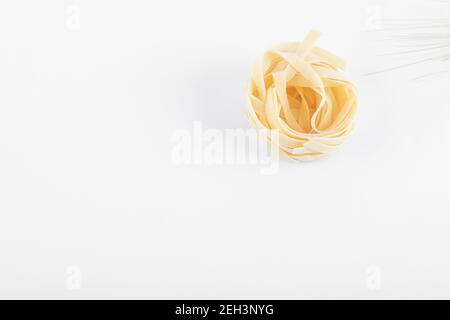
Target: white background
point(88, 188)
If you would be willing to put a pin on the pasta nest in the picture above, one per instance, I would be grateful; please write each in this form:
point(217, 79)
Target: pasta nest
point(299, 91)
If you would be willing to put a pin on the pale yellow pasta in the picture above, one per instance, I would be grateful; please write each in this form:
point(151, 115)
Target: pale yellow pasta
point(299, 91)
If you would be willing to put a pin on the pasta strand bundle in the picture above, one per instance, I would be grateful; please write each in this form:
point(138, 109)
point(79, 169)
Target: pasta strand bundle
point(299, 91)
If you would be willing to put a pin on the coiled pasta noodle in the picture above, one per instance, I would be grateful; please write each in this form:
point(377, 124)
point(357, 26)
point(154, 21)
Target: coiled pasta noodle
point(299, 90)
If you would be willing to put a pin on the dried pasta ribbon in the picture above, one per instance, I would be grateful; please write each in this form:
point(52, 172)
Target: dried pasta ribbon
point(299, 90)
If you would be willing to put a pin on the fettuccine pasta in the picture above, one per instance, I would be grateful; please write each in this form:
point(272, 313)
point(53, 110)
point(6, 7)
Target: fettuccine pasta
point(299, 90)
